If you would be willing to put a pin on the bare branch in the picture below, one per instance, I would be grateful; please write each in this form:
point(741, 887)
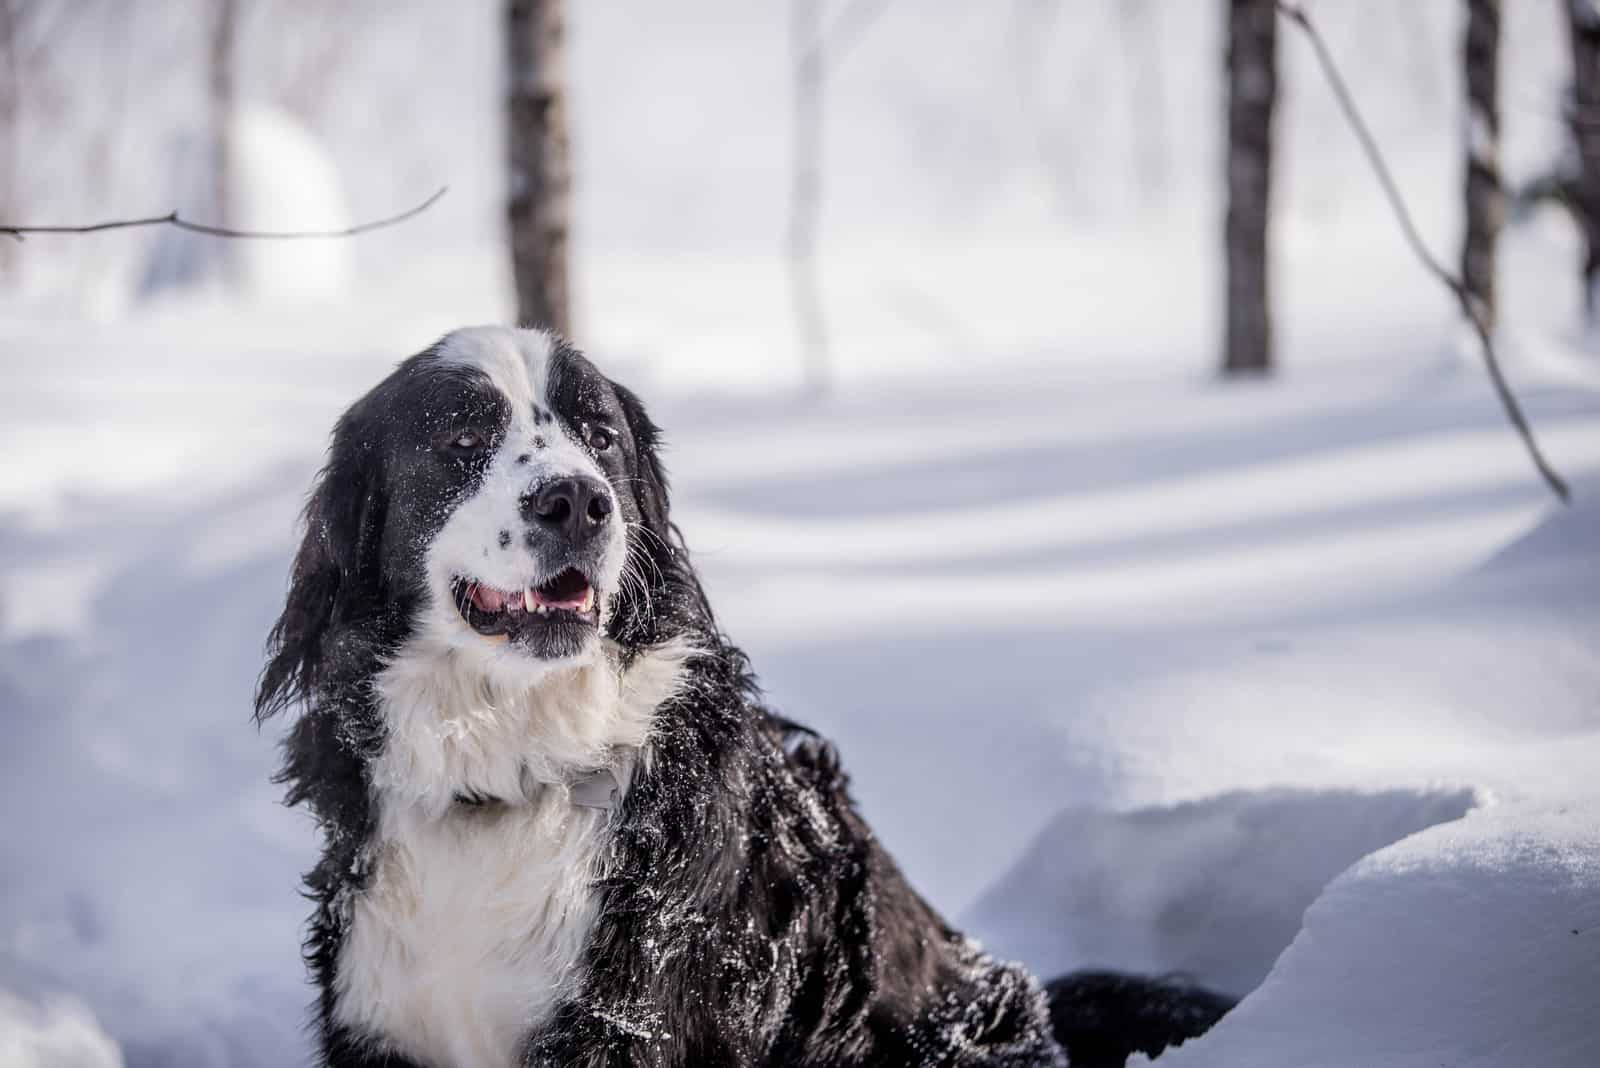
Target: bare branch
point(172, 218)
point(1471, 307)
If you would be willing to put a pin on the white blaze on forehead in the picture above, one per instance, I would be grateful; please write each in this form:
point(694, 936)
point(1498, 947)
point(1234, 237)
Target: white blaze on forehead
point(516, 361)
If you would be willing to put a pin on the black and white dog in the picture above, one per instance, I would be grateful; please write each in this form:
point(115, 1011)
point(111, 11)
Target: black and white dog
point(560, 828)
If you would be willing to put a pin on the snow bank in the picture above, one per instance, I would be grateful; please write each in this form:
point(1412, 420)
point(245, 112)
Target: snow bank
point(1471, 945)
point(1214, 889)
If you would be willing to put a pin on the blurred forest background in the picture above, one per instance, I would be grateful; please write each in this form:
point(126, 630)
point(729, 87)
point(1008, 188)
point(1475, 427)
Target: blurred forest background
point(957, 316)
point(994, 176)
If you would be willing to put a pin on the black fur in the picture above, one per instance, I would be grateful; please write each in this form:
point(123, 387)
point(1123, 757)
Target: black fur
point(748, 915)
point(1103, 1018)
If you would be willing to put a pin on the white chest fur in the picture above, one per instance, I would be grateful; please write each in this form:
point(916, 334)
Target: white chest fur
point(471, 929)
point(473, 921)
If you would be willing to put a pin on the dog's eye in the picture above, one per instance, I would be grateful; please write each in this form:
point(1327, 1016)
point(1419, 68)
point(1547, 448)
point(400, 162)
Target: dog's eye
point(598, 437)
point(468, 440)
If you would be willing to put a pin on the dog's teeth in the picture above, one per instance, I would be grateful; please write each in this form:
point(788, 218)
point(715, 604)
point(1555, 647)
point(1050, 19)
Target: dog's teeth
point(530, 599)
point(543, 610)
point(588, 600)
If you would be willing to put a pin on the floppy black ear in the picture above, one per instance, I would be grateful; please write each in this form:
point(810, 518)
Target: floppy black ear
point(678, 601)
point(334, 576)
point(650, 486)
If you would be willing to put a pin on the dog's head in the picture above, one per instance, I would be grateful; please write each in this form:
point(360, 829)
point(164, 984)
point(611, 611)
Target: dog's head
point(496, 494)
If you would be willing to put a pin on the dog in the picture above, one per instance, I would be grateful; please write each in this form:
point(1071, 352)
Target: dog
point(559, 826)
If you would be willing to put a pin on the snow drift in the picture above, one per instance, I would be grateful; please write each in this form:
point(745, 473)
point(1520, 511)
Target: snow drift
point(1471, 944)
point(1214, 889)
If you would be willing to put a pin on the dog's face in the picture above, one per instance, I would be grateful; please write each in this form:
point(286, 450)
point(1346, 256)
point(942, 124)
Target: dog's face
point(484, 495)
point(508, 515)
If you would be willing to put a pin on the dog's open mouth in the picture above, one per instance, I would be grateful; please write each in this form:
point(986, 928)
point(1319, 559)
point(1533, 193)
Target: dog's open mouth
point(567, 599)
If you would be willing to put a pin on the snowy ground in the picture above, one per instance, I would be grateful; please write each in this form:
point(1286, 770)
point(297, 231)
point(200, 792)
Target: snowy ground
point(1294, 686)
point(1137, 664)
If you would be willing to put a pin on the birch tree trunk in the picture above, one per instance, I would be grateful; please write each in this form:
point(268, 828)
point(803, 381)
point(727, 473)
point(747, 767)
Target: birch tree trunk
point(221, 83)
point(10, 118)
point(1583, 20)
point(540, 177)
point(1485, 199)
point(1252, 79)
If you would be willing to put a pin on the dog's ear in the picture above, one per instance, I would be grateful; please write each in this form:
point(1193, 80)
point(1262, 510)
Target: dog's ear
point(650, 486)
point(334, 576)
point(678, 602)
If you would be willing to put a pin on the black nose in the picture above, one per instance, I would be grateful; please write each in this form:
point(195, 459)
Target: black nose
point(573, 507)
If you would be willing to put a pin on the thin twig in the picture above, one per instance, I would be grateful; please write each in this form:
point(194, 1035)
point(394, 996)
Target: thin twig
point(1471, 307)
point(172, 218)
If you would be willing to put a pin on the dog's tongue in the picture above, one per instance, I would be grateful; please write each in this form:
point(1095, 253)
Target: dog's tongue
point(489, 600)
point(568, 591)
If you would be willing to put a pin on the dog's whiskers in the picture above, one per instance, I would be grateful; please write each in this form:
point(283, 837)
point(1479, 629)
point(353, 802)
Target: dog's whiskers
point(630, 572)
point(635, 525)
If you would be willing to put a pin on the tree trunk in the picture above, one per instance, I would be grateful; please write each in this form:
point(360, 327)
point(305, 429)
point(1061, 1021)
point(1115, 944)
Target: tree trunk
point(539, 178)
point(1583, 18)
point(223, 92)
point(1485, 200)
point(10, 118)
point(1252, 77)
point(223, 98)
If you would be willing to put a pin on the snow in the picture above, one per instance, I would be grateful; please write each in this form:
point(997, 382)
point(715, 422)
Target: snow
point(1471, 944)
point(61, 1033)
point(1132, 663)
point(1148, 732)
point(1212, 888)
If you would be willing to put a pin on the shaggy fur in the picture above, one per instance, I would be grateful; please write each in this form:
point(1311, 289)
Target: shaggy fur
point(733, 910)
